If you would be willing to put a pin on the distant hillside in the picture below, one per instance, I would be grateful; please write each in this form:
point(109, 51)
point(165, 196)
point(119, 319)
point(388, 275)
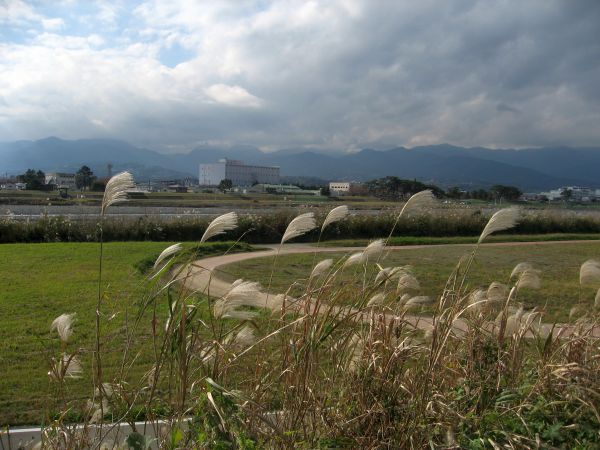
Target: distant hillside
point(445, 165)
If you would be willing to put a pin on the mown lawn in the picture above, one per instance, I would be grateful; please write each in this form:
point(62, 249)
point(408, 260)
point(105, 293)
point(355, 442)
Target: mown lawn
point(41, 281)
point(559, 263)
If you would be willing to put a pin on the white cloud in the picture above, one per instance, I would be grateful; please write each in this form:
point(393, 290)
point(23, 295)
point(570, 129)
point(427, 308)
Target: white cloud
point(335, 73)
point(232, 96)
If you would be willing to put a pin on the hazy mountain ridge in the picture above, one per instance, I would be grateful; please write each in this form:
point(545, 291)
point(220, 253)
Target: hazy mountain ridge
point(530, 169)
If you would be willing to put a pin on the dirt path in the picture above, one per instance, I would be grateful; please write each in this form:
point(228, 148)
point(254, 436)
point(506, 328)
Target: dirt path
point(205, 278)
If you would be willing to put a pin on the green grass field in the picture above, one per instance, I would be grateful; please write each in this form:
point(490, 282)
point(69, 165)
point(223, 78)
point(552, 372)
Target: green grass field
point(40, 282)
point(558, 262)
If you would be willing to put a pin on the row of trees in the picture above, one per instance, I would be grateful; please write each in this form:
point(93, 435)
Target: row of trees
point(391, 188)
point(84, 180)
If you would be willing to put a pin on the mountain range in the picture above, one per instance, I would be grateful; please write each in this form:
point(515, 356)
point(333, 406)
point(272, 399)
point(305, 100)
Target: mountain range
point(445, 165)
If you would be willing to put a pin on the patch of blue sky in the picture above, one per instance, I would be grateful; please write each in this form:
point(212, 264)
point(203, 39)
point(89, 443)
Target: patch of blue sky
point(174, 55)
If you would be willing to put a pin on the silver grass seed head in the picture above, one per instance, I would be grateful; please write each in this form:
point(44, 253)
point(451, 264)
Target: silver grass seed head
point(302, 224)
point(355, 258)
point(419, 300)
point(63, 326)
point(241, 293)
point(501, 220)
point(597, 299)
point(116, 190)
point(167, 252)
point(419, 200)
point(220, 225)
point(497, 291)
point(589, 274)
point(529, 278)
point(374, 249)
point(321, 267)
point(335, 215)
point(520, 268)
point(377, 299)
point(408, 282)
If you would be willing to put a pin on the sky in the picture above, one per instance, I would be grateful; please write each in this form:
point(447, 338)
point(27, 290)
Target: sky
point(332, 74)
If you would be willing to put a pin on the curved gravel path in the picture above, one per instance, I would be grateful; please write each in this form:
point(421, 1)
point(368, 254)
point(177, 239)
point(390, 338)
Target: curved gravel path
point(204, 277)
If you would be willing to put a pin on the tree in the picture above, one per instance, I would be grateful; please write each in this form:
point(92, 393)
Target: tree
point(84, 178)
point(566, 194)
point(33, 180)
point(454, 192)
point(225, 185)
point(394, 188)
point(509, 193)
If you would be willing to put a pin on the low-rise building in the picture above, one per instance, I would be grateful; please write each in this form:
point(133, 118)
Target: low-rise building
point(287, 189)
point(61, 180)
point(337, 188)
point(239, 173)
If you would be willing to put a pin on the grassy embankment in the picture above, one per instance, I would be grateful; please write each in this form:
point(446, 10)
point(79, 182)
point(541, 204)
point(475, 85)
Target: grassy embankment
point(559, 265)
point(40, 282)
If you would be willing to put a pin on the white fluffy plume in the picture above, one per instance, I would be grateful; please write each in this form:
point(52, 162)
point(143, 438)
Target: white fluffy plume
point(589, 272)
point(419, 300)
point(374, 249)
point(169, 251)
point(335, 215)
point(355, 258)
point(502, 220)
point(63, 326)
point(321, 267)
point(68, 366)
point(220, 225)
point(116, 190)
point(529, 278)
point(420, 199)
point(520, 268)
point(299, 226)
point(407, 282)
point(377, 299)
point(241, 293)
point(497, 292)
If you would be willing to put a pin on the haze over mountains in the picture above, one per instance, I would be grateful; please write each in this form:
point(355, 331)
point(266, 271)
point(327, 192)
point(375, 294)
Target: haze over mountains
point(445, 165)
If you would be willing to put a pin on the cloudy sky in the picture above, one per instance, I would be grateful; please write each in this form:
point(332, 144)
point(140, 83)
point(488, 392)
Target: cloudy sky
point(336, 74)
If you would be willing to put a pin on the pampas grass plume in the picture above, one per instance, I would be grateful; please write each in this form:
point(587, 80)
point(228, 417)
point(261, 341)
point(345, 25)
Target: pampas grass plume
point(335, 215)
point(520, 268)
point(355, 258)
point(589, 272)
point(497, 292)
point(220, 225)
point(419, 200)
point(374, 249)
point(501, 220)
point(171, 250)
point(377, 299)
point(241, 293)
point(529, 278)
point(321, 267)
point(299, 226)
point(116, 190)
point(62, 324)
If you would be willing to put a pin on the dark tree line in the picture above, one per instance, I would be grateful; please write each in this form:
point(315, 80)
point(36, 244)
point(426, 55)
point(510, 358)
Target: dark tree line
point(392, 188)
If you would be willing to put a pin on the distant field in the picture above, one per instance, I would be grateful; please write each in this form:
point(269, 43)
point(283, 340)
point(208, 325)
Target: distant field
point(558, 262)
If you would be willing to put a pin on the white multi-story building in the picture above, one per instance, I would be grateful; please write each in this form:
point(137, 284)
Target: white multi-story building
point(61, 180)
point(239, 173)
